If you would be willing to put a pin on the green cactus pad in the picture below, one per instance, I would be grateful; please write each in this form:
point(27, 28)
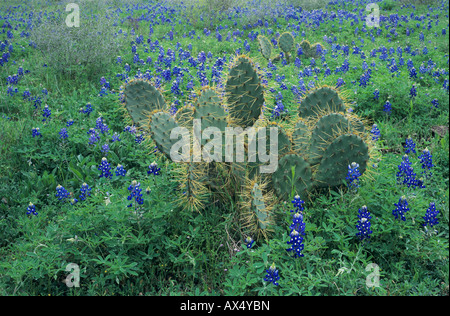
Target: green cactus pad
point(300, 139)
point(245, 95)
point(320, 101)
point(140, 99)
point(293, 176)
point(184, 116)
point(265, 46)
point(344, 150)
point(324, 132)
point(161, 125)
point(286, 42)
point(310, 51)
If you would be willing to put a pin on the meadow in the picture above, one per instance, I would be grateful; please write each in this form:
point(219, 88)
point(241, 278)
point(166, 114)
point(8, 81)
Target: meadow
point(85, 191)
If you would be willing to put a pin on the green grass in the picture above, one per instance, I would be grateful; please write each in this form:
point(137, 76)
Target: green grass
point(166, 250)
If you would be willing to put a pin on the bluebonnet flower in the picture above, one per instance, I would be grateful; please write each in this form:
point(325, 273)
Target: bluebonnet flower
point(100, 125)
point(405, 174)
point(139, 138)
point(297, 202)
point(116, 137)
point(153, 169)
point(69, 123)
point(73, 201)
point(410, 146)
point(26, 95)
point(31, 209)
point(63, 134)
point(431, 216)
point(120, 170)
point(87, 109)
point(363, 224)
point(272, 275)
point(297, 230)
point(353, 175)
point(413, 91)
point(135, 194)
point(94, 136)
point(36, 132)
point(413, 73)
point(401, 208)
point(105, 149)
point(105, 168)
point(387, 107)
point(376, 94)
point(279, 109)
point(435, 103)
point(375, 132)
point(249, 242)
point(61, 193)
point(85, 191)
point(47, 113)
point(426, 159)
point(340, 82)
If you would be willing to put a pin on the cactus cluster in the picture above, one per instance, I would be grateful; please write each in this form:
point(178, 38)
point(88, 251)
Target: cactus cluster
point(314, 148)
point(286, 43)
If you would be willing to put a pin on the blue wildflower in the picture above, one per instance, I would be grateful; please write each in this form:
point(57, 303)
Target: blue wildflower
point(153, 169)
point(405, 174)
point(47, 113)
point(297, 230)
point(387, 107)
point(431, 216)
point(36, 132)
point(272, 275)
point(105, 168)
point(426, 159)
point(435, 103)
point(401, 208)
point(85, 191)
point(376, 94)
point(363, 224)
point(61, 193)
point(375, 132)
point(249, 242)
point(135, 194)
point(31, 209)
point(120, 170)
point(413, 91)
point(63, 134)
point(410, 146)
point(352, 178)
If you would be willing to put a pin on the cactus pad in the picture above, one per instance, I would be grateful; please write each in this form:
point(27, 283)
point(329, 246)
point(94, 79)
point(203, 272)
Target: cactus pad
point(244, 93)
point(140, 99)
point(293, 176)
point(344, 150)
point(321, 101)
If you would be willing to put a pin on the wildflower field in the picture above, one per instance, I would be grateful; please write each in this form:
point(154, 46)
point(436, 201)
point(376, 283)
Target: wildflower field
point(92, 203)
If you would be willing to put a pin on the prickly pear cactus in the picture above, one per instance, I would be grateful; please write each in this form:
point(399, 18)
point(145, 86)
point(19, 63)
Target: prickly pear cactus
point(141, 98)
point(344, 150)
point(293, 177)
point(325, 131)
point(265, 46)
point(286, 42)
point(310, 51)
point(161, 124)
point(256, 218)
point(244, 93)
point(319, 102)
